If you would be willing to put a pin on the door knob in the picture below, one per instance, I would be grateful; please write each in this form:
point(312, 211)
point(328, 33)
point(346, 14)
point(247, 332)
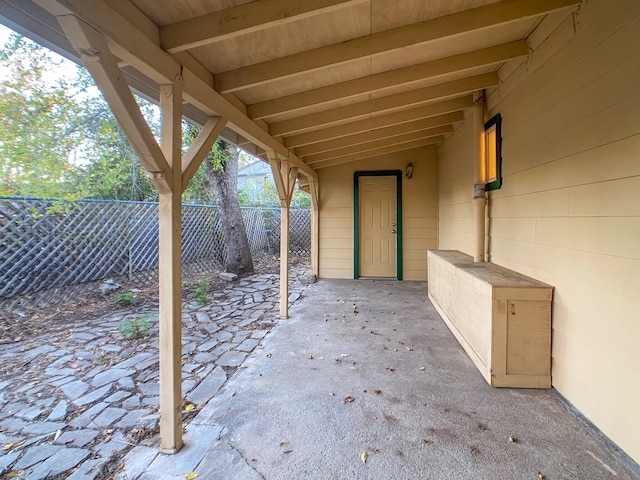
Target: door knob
point(394, 231)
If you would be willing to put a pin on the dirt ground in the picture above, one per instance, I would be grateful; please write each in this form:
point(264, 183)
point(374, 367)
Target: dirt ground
point(53, 319)
point(28, 321)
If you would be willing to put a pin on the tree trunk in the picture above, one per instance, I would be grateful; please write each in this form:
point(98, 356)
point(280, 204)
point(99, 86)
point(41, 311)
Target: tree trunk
point(223, 177)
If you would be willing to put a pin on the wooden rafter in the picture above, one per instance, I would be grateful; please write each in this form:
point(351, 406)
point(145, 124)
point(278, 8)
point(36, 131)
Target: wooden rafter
point(370, 146)
point(434, 115)
point(392, 78)
point(388, 134)
point(138, 49)
point(380, 105)
point(103, 66)
point(240, 20)
point(382, 151)
point(386, 41)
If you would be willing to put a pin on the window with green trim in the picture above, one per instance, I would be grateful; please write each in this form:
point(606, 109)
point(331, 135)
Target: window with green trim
point(493, 153)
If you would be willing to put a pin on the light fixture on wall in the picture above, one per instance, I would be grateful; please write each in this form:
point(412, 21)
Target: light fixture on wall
point(409, 171)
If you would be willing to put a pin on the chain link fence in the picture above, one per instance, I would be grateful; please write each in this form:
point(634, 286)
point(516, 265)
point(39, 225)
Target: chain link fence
point(49, 247)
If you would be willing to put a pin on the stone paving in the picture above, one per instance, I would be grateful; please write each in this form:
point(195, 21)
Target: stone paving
point(80, 400)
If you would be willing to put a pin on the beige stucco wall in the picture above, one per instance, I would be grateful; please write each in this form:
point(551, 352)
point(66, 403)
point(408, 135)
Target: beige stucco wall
point(419, 212)
point(569, 210)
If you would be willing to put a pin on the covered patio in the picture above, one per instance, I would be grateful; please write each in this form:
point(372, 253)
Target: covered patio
point(369, 366)
point(506, 131)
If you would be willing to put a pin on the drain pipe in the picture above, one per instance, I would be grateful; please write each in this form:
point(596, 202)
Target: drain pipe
point(479, 198)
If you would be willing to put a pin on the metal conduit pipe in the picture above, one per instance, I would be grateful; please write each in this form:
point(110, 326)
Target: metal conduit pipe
point(479, 198)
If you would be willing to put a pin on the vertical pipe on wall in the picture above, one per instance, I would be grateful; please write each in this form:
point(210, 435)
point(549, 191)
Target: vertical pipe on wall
point(479, 198)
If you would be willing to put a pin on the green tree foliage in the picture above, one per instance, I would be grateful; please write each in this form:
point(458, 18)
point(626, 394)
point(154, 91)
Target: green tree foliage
point(59, 139)
point(39, 126)
point(267, 197)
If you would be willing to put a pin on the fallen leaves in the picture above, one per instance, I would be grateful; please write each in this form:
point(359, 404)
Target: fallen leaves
point(377, 392)
point(191, 476)
point(541, 475)
point(348, 399)
point(426, 441)
point(364, 457)
point(513, 439)
point(269, 355)
point(284, 443)
point(9, 446)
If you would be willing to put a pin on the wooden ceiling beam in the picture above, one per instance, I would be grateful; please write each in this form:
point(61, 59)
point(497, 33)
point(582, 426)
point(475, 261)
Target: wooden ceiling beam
point(373, 83)
point(376, 153)
point(386, 41)
point(371, 135)
point(207, 99)
point(398, 101)
point(442, 113)
point(373, 145)
point(241, 19)
point(103, 66)
point(137, 48)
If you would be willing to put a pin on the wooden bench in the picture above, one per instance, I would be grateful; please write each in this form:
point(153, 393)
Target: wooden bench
point(501, 318)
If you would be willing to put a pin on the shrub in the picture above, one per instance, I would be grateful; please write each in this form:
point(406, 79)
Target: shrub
point(126, 299)
point(201, 292)
point(133, 328)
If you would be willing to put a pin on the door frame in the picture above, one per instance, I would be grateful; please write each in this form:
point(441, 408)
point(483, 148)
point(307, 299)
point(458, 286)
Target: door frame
point(356, 217)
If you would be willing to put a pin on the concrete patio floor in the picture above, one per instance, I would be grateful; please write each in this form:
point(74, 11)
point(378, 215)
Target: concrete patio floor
point(369, 366)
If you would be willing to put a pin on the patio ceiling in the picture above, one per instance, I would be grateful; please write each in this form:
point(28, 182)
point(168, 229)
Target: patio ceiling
point(321, 83)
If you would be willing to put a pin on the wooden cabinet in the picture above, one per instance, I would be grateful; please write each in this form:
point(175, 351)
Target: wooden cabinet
point(501, 318)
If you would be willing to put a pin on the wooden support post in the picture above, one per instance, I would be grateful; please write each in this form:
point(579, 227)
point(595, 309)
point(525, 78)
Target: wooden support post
point(170, 275)
point(315, 227)
point(284, 260)
point(285, 180)
point(170, 173)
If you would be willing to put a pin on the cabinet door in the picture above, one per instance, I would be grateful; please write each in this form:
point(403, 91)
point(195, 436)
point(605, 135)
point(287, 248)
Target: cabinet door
point(528, 338)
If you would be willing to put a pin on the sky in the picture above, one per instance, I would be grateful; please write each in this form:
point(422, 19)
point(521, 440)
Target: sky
point(55, 73)
point(4, 34)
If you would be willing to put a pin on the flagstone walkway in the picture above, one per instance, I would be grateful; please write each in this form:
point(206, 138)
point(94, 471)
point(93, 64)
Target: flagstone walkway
point(73, 403)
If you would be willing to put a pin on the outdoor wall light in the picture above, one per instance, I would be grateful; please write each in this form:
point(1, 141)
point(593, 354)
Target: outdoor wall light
point(409, 171)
